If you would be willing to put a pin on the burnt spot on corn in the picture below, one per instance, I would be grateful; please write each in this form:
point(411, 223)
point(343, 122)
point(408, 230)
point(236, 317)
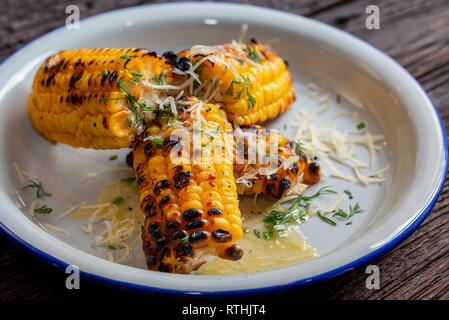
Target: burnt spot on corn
point(74, 78)
point(105, 123)
point(178, 169)
point(49, 79)
point(269, 188)
point(273, 176)
point(214, 212)
point(313, 167)
point(146, 245)
point(154, 230)
point(164, 201)
point(198, 236)
point(78, 63)
point(151, 54)
point(172, 225)
point(283, 186)
point(165, 268)
point(178, 235)
point(169, 55)
point(151, 260)
point(165, 252)
point(130, 159)
point(161, 185)
point(184, 249)
point(162, 241)
point(221, 235)
point(235, 252)
point(171, 141)
point(149, 208)
point(196, 224)
point(182, 179)
point(112, 77)
point(191, 214)
point(140, 180)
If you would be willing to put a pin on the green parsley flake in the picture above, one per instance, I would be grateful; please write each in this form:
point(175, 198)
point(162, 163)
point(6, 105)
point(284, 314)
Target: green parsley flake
point(113, 157)
point(44, 209)
point(118, 200)
point(361, 125)
point(40, 192)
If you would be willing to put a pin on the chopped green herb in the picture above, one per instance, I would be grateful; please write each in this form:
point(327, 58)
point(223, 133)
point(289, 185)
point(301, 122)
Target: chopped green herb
point(104, 73)
point(354, 210)
point(125, 56)
point(257, 233)
point(44, 209)
point(185, 239)
point(129, 180)
point(326, 219)
point(276, 221)
point(340, 213)
point(349, 223)
point(245, 84)
point(253, 54)
point(338, 98)
point(284, 127)
point(158, 142)
point(113, 157)
point(118, 200)
point(349, 193)
point(111, 247)
point(40, 192)
point(128, 121)
point(361, 125)
point(159, 80)
point(299, 148)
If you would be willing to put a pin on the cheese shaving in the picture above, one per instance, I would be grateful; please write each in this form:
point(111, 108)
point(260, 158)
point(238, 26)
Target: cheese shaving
point(329, 145)
point(54, 228)
point(336, 204)
point(33, 206)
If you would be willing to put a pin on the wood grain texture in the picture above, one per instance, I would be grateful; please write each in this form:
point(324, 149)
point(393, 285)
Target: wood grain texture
point(415, 33)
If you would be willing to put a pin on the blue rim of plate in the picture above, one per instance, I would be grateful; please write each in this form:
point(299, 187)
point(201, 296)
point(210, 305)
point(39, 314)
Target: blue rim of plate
point(362, 261)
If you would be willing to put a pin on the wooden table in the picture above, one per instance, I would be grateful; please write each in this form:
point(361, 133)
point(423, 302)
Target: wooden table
point(415, 33)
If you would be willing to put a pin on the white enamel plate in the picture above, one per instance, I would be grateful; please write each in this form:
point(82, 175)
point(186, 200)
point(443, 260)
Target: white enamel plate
point(373, 89)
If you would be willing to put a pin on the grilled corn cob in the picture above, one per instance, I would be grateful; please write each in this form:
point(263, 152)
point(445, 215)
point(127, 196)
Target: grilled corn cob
point(191, 207)
point(251, 80)
point(90, 97)
point(289, 169)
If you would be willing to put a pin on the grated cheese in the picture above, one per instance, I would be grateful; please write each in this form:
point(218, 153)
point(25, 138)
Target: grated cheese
point(331, 145)
point(33, 206)
point(19, 172)
point(336, 204)
point(54, 228)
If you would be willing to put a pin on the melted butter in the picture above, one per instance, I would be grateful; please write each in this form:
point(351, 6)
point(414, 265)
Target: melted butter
point(129, 208)
point(260, 254)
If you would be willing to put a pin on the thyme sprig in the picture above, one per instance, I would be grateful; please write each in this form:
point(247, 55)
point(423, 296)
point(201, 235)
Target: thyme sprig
point(277, 220)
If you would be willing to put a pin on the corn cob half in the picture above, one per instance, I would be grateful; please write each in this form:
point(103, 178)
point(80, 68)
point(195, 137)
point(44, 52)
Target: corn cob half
point(191, 206)
point(286, 166)
point(90, 97)
point(251, 80)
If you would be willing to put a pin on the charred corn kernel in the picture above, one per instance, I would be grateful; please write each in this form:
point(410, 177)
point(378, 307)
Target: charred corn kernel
point(251, 80)
point(277, 177)
point(188, 216)
point(77, 98)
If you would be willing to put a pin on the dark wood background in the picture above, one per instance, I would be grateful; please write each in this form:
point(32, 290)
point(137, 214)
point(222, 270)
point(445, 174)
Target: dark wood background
point(415, 33)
